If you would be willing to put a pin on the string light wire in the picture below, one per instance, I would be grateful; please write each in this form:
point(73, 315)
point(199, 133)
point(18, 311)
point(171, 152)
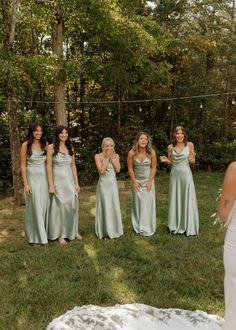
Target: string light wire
point(139, 101)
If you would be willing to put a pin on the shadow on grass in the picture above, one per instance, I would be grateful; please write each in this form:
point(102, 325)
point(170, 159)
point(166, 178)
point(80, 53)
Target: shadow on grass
point(41, 283)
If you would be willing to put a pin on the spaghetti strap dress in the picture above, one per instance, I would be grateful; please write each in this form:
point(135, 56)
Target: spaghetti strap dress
point(36, 203)
point(143, 202)
point(63, 212)
point(183, 211)
point(108, 222)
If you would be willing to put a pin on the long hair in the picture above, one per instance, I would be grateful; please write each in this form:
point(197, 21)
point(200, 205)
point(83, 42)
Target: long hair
point(105, 140)
point(56, 141)
point(43, 140)
point(135, 147)
point(176, 129)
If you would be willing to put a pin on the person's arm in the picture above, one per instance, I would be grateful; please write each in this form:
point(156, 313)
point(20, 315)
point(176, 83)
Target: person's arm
point(75, 174)
point(228, 193)
point(152, 171)
point(130, 163)
point(50, 151)
point(167, 159)
point(115, 159)
point(23, 168)
point(101, 164)
point(191, 157)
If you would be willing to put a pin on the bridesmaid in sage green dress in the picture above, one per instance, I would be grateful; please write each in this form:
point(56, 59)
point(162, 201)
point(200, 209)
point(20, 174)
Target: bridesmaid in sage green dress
point(142, 165)
point(108, 223)
point(63, 188)
point(183, 211)
point(33, 170)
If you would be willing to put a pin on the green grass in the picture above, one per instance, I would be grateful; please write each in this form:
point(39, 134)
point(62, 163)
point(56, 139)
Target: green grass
point(38, 284)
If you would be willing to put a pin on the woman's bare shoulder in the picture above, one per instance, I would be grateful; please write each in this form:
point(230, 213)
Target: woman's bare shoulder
point(232, 168)
point(98, 156)
point(190, 144)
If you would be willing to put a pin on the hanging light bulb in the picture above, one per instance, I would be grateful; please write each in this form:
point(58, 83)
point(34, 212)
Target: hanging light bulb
point(201, 105)
point(109, 113)
point(233, 102)
point(169, 107)
point(140, 108)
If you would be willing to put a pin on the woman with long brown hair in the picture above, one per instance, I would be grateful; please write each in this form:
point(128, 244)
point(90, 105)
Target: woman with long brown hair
point(33, 171)
point(142, 164)
point(63, 187)
point(183, 211)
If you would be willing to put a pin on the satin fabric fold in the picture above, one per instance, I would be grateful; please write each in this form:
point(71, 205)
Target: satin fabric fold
point(36, 203)
point(230, 272)
point(63, 212)
point(183, 211)
point(108, 222)
point(143, 202)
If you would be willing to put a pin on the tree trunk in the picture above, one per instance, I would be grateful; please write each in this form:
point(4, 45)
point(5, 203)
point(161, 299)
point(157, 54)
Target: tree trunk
point(9, 14)
point(59, 83)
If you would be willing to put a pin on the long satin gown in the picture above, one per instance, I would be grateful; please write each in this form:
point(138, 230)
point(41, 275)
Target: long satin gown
point(230, 272)
point(37, 203)
point(143, 202)
point(108, 222)
point(183, 211)
point(63, 212)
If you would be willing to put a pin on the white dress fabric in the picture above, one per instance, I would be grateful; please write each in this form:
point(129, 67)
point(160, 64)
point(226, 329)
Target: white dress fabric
point(230, 272)
point(134, 317)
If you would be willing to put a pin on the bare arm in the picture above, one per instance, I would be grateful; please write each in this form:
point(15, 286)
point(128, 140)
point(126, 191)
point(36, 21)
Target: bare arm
point(130, 163)
point(101, 164)
point(228, 195)
point(191, 156)
point(152, 171)
point(75, 174)
point(50, 151)
point(167, 159)
point(115, 159)
point(23, 167)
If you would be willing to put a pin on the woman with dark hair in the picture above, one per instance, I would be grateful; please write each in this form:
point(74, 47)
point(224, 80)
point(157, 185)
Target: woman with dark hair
point(142, 165)
point(108, 221)
point(33, 170)
point(183, 211)
point(227, 214)
point(63, 187)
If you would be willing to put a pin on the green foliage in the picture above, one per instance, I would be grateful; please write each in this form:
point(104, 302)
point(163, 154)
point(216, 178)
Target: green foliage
point(122, 51)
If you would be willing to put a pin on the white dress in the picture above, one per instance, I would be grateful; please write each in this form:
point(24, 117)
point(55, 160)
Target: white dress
point(134, 317)
point(230, 271)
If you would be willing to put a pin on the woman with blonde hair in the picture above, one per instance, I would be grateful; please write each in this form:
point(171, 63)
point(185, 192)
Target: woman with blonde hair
point(142, 163)
point(183, 211)
point(108, 223)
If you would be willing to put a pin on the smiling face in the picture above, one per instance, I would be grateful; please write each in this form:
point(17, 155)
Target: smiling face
point(37, 133)
point(179, 136)
point(143, 141)
point(63, 136)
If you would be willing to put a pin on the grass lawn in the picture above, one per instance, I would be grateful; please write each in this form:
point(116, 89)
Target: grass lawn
point(38, 284)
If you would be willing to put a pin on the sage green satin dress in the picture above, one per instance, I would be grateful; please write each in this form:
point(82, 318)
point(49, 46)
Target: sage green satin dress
point(108, 222)
point(183, 211)
point(37, 203)
point(143, 202)
point(64, 206)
